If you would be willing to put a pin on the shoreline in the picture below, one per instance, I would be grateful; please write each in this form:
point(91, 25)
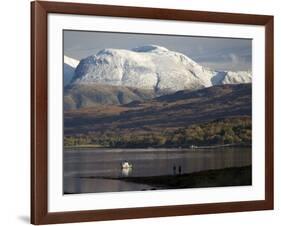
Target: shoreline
point(160, 147)
point(231, 176)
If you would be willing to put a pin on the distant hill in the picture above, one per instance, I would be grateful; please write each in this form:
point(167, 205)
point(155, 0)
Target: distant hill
point(69, 66)
point(167, 112)
point(78, 96)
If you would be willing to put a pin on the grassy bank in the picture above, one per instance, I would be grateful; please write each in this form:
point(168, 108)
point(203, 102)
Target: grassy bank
point(236, 176)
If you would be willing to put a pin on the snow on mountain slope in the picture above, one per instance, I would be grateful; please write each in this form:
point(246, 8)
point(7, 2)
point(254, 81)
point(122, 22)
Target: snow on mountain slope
point(69, 67)
point(70, 61)
point(151, 67)
point(237, 77)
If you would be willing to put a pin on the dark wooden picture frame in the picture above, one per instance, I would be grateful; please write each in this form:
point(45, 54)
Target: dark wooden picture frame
point(39, 112)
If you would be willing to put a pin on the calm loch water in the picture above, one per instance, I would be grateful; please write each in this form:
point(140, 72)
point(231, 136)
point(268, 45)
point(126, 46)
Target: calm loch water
point(99, 170)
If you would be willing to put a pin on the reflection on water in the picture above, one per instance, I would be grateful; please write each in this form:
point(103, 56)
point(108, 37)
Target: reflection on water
point(95, 170)
point(126, 171)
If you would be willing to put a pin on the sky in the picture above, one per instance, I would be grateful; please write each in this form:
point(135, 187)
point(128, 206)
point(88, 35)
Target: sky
point(215, 53)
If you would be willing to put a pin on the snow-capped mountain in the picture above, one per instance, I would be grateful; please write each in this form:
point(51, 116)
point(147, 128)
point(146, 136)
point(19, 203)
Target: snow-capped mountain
point(150, 67)
point(69, 69)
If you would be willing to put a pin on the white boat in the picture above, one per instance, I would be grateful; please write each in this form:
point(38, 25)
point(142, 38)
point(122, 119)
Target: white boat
point(126, 165)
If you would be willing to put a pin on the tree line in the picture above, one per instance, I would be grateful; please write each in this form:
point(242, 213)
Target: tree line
point(217, 132)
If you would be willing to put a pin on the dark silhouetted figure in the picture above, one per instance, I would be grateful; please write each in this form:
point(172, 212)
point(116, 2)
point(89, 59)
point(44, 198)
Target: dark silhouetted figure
point(179, 169)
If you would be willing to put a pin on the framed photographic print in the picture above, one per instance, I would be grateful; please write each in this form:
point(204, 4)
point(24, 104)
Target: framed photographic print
point(145, 112)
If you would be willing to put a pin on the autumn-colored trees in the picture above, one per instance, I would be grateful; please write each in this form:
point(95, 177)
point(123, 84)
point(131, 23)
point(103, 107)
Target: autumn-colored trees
point(218, 132)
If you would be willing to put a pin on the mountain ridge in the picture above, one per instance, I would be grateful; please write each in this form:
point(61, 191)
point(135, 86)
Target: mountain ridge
point(170, 111)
